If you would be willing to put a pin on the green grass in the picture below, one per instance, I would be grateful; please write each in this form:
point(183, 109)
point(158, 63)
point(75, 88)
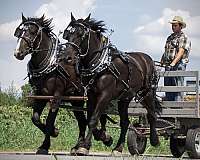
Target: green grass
point(19, 134)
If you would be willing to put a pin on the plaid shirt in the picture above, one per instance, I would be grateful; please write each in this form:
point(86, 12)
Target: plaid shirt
point(173, 43)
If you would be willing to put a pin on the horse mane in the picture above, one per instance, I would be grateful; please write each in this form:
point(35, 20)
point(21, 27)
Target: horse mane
point(94, 25)
point(97, 25)
point(43, 22)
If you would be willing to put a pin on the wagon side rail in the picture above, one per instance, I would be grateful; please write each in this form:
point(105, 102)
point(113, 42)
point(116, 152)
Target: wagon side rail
point(189, 109)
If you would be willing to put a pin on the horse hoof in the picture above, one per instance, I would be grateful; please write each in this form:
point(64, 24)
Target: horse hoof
point(116, 153)
point(108, 142)
point(155, 143)
point(82, 151)
point(56, 132)
point(42, 151)
point(73, 151)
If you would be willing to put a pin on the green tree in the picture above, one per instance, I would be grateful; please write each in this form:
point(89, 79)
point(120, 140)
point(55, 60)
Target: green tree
point(9, 96)
point(26, 91)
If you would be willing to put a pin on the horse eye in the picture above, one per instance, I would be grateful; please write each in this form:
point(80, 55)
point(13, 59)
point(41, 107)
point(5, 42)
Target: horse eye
point(72, 30)
point(25, 28)
point(18, 32)
point(21, 26)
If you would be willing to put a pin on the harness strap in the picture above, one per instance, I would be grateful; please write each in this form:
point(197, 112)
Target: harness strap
point(116, 74)
point(138, 66)
point(66, 76)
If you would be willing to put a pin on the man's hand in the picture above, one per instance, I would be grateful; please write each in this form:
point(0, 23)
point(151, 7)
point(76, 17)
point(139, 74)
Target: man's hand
point(171, 67)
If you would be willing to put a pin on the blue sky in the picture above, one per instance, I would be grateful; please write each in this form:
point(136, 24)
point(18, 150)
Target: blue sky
point(138, 26)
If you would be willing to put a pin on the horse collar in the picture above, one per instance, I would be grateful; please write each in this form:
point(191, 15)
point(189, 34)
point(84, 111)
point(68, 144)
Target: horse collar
point(47, 65)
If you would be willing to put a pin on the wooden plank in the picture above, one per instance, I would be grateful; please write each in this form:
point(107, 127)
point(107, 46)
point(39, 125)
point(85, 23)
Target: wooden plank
point(133, 104)
point(176, 89)
point(167, 115)
point(137, 111)
point(174, 112)
point(181, 104)
point(178, 112)
point(73, 98)
point(178, 73)
point(168, 104)
point(180, 116)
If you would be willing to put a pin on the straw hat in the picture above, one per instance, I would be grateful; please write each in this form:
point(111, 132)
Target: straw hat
point(178, 19)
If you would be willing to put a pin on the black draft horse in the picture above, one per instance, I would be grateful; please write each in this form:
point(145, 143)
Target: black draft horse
point(110, 74)
point(51, 75)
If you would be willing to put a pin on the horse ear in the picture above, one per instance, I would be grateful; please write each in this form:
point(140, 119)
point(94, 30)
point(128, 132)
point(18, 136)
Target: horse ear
point(43, 16)
point(23, 18)
point(88, 18)
point(41, 19)
point(72, 18)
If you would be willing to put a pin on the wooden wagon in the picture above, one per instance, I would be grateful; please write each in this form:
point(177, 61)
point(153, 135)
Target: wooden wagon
point(179, 120)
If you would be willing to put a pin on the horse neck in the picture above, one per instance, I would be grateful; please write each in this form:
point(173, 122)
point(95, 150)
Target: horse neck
point(39, 57)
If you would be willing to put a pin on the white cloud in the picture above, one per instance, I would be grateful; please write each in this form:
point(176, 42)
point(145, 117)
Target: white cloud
point(150, 44)
point(151, 36)
point(7, 30)
point(161, 24)
point(59, 10)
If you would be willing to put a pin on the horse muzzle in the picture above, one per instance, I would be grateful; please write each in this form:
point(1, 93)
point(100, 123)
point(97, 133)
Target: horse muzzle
point(19, 55)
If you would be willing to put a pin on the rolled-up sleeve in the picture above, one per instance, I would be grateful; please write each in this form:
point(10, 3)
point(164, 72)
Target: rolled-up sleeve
point(185, 43)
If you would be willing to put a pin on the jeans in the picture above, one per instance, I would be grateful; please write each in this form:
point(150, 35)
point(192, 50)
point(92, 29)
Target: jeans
point(175, 81)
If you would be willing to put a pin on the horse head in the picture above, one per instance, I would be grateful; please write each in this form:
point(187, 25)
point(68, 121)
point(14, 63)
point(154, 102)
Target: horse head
point(32, 33)
point(85, 34)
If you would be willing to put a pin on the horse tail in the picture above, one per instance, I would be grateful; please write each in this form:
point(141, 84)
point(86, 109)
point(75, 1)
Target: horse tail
point(155, 80)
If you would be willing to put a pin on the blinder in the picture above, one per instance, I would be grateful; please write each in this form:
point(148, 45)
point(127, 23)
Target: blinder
point(68, 32)
point(19, 30)
point(76, 27)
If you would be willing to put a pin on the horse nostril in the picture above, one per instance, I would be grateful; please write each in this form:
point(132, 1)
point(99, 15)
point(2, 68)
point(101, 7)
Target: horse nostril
point(18, 55)
point(16, 52)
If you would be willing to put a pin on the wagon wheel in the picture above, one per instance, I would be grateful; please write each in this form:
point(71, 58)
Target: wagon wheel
point(136, 143)
point(177, 146)
point(193, 143)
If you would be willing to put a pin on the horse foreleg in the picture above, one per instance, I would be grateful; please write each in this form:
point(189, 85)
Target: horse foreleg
point(82, 124)
point(101, 134)
point(50, 128)
point(44, 148)
point(37, 111)
point(50, 131)
point(124, 123)
point(149, 104)
point(83, 148)
point(94, 113)
point(154, 139)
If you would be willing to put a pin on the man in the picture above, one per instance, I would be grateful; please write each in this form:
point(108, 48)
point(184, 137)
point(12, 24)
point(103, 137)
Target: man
point(175, 57)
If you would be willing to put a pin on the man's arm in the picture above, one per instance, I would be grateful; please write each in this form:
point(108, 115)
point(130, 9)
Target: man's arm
point(179, 55)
